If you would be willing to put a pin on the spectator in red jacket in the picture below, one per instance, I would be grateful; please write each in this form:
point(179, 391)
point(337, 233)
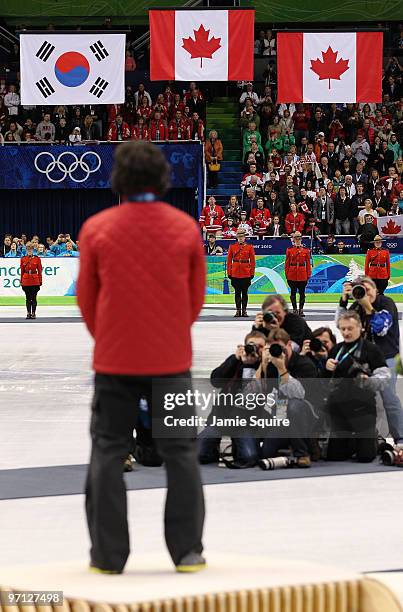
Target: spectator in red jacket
point(127, 360)
point(294, 220)
point(177, 129)
point(144, 110)
point(158, 130)
point(212, 217)
point(140, 131)
point(176, 105)
point(119, 129)
point(260, 218)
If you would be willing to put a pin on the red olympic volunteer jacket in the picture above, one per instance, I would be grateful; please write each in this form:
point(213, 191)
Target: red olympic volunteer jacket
point(31, 271)
point(377, 264)
point(140, 295)
point(241, 261)
point(298, 264)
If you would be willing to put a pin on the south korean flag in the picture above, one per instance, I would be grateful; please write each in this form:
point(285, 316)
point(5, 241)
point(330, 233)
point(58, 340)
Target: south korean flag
point(72, 69)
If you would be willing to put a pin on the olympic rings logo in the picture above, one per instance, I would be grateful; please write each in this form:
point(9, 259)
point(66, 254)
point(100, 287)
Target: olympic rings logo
point(67, 169)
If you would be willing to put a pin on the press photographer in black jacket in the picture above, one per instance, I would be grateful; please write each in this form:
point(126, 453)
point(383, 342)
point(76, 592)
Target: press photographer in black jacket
point(275, 315)
point(357, 370)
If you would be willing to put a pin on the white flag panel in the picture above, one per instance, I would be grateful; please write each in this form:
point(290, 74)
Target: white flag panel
point(72, 69)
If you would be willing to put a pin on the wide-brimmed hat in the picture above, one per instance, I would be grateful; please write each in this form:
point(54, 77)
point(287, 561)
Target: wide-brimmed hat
point(240, 231)
point(378, 237)
point(297, 235)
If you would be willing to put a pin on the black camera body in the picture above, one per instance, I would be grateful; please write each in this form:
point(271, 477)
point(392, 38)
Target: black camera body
point(269, 317)
point(359, 292)
point(357, 368)
point(251, 349)
point(316, 345)
point(276, 350)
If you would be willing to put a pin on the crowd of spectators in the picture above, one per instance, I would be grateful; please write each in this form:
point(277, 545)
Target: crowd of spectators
point(62, 246)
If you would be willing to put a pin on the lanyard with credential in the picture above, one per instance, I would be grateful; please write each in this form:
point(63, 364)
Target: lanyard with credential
point(345, 354)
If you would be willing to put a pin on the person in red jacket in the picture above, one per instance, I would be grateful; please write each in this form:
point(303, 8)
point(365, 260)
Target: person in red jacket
point(241, 270)
point(377, 265)
point(119, 129)
point(178, 129)
point(123, 292)
point(31, 279)
point(260, 218)
point(212, 217)
point(294, 220)
point(140, 131)
point(158, 130)
point(297, 272)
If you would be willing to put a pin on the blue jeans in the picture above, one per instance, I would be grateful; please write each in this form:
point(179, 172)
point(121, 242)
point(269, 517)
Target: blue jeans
point(392, 405)
point(243, 449)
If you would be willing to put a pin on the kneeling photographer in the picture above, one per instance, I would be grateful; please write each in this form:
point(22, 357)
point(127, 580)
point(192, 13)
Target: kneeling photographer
point(319, 347)
point(379, 319)
point(282, 368)
point(357, 370)
point(230, 377)
point(275, 315)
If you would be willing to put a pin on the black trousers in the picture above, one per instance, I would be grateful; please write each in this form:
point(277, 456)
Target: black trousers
point(297, 286)
point(114, 415)
point(353, 431)
point(30, 298)
point(241, 286)
point(381, 284)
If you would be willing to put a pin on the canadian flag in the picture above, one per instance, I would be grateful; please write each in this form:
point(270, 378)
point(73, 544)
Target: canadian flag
point(201, 45)
point(391, 226)
point(329, 67)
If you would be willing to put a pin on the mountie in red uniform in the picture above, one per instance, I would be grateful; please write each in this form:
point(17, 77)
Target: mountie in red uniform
point(377, 264)
point(212, 218)
point(158, 130)
point(31, 271)
point(241, 261)
point(298, 264)
point(178, 130)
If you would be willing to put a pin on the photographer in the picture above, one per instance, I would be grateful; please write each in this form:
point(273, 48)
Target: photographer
point(275, 315)
point(358, 370)
point(228, 377)
point(281, 367)
point(379, 319)
point(319, 347)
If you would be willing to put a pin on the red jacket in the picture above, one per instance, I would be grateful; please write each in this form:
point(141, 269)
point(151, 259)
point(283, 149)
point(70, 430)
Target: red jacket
point(298, 264)
point(294, 224)
point(377, 264)
point(178, 131)
point(241, 261)
point(113, 131)
point(211, 219)
point(163, 132)
point(31, 271)
point(140, 295)
point(260, 220)
point(137, 135)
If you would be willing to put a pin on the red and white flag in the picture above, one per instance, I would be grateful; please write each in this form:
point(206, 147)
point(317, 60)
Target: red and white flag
point(391, 226)
point(329, 67)
point(201, 45)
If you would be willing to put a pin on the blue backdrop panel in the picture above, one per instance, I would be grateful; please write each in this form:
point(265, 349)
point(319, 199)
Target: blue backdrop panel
point(88, 166)
point(278, 246)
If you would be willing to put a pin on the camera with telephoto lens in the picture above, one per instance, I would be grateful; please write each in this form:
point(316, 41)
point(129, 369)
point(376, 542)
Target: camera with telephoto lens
point(357, 368)
point(251, 349)
point(316, 345)
point(359, 292)
point(269, 317)
point(277, 463)
point(392, 456)
point(276, 350)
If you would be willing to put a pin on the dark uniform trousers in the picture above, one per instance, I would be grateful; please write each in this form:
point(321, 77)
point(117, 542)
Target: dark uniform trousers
point(114, 415)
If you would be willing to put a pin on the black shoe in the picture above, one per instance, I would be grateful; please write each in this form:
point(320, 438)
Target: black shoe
point(191, 563)
point(244, 313)
point(301, 312)
point(99, 570)
point(28, 316)
point(237, 314)
point(33, 316)
point(294, 311)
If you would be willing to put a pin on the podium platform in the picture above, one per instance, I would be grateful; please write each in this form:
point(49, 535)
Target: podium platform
point(229, 584)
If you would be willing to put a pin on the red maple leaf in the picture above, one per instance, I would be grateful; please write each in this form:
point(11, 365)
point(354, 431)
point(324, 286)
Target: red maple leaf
point(391, 227)
point(329, 68)
point(201, 46)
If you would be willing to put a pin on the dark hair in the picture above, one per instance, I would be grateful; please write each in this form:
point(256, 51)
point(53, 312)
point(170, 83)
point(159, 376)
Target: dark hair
point(140, 166)
point(274, 298)
point(324, 330)
point(254, 334)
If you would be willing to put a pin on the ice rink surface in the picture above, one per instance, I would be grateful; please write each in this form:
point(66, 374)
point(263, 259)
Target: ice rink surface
point(347, 520)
